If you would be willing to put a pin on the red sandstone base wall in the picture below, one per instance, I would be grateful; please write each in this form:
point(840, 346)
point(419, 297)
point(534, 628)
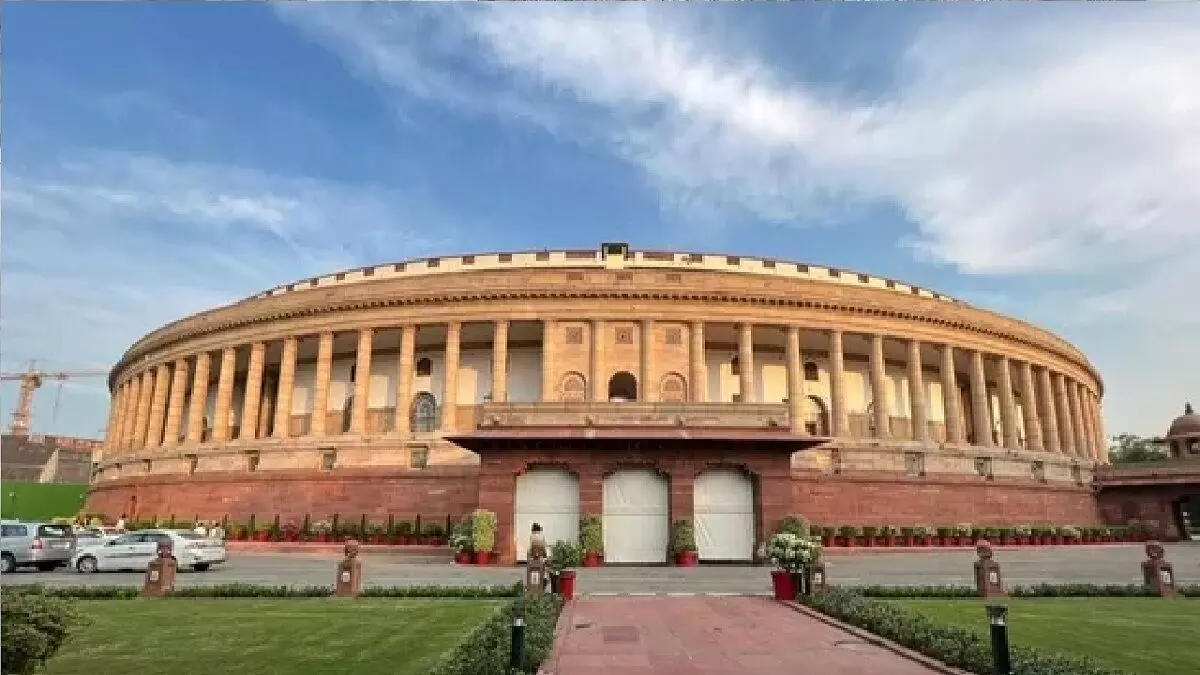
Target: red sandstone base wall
point(438, 492)
point(900, 501)
point(1155, 507)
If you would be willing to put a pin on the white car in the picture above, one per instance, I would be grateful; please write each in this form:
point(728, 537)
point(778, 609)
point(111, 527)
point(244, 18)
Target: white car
point(135, 550)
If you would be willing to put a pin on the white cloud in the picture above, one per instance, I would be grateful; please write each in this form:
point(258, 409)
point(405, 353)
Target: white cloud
point(101, 247)
point(1064, 142)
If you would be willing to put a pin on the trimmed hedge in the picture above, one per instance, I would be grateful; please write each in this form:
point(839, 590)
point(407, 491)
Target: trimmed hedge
point(34, 628)
point(485, 650)
point(952, 645)
point(1035, 591)
point(262, 591)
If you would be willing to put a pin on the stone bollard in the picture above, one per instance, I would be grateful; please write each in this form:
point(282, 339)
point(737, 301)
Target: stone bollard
point(817, 578)
point(1157, 573)
point(987, 572)
point(349, 572)
point(160, 573)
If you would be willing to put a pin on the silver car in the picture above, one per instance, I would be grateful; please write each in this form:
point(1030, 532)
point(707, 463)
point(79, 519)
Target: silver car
point(135, 550)
point(41, 545)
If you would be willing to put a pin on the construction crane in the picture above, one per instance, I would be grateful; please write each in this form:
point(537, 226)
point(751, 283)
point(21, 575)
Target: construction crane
point(31, 380)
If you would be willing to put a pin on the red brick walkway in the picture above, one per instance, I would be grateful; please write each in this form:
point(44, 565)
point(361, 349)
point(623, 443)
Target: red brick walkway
point(710, 636)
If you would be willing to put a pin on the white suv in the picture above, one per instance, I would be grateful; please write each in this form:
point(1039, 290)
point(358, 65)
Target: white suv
point(135, 550)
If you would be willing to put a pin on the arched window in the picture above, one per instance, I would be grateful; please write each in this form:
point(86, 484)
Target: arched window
point(424, 415)
point(673, 388)
point(622, 387)
point(424, 367)
point(811, 373)
point(572, 387)
point(816, 416)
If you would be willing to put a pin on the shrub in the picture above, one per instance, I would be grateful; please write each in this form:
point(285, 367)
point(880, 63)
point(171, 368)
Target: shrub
point(870, 531)
point(683, 537)
point(485, 650)
point(34, 627)
point(591, 534)
point(483, 530)
point(564, 555)
point(952, 645)
point(794, 524)
point(261, 591)
point(848, 531)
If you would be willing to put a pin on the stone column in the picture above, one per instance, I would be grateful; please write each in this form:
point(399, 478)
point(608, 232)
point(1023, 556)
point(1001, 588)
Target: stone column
point(1049, 416)
point(648, 391)
point(1029, 401)
point(500, 361)
point(549, 340)
point(195, 423)
point(1089, 421)
point(795, 375)
point(116, 429)
point(248, 428)
point(320, 406)
point(699, 364)
point(362, 382)
point(1078, 426)
point(746, 363)
point(287, 384)
point(158, 406)
point(1101, 439)
point(599, 387)
point(980, 406)
point(175, 405)
point(916, 393)
point(882, 411)
point(450, 387)
point(142, 428)
point(1063, 406)
point(950, 396)
point(224, 394)
point(1008, 405)
point(404, 378)
point(135, 397)
point(837, 389)
point(110, 427)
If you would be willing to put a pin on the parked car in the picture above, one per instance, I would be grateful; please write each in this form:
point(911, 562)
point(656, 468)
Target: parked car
point(90, 537)
point(41, 545)
point(135, 550)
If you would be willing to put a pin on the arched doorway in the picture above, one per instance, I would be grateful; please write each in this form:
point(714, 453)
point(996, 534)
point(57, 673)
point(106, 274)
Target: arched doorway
point(672, 388)
point(548, 496)
point(424, 414)
point(573, 387)
point(816, 417)
point(723, 500)
point(622, 387)
point(636, 510)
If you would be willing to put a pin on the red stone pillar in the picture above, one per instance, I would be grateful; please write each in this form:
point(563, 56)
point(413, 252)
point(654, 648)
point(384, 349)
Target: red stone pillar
point(774, 497)
point(591, 490)
point(683, 501)
point(497, 491)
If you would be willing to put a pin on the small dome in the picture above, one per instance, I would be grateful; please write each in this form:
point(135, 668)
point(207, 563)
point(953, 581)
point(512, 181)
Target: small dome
point(1186, 425)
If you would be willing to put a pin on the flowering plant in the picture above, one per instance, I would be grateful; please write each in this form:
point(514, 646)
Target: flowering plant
point(793, 553)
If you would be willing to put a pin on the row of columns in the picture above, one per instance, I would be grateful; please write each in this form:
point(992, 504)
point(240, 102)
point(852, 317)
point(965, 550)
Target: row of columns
point(1059, 414)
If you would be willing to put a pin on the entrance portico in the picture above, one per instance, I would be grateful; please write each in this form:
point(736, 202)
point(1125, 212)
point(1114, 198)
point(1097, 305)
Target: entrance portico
point(619, 472)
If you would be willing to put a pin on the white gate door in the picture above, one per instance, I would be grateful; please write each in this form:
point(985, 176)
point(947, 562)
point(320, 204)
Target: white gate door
point(724, 510)
point(549, 497)
point(635, 517)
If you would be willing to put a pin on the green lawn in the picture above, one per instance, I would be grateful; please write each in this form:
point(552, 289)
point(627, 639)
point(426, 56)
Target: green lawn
point(224, 636)
point(1147, 636)
point(40, 501)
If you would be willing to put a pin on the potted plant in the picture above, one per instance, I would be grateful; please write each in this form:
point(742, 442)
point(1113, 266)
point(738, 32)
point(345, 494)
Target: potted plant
point(849, 534)
point(404, 533)
point(889, 532)
point(321, 530)
point(794, 524)
point(237, 532)
point(793, 555)
point(829, 536)
point(924, 535)
point(291, 532)
point(591, 539)
point(375, 533)
point(1020, 534)
point(483, 535)
point(436, 535)
point(564, 557)
point(945, 536)
point(461, 542)
point(683, 543)
point(1070, 534)
point(869, 533)
point(962, 534)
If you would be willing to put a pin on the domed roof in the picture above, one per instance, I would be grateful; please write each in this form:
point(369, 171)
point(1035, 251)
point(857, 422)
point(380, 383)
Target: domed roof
point(1187, 424)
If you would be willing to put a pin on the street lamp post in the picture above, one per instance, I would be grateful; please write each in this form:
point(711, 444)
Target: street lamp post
point(998, 621)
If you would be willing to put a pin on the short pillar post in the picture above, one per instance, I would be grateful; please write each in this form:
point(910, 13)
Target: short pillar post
point(987, 572)
point(349, 572)
point(817, 578)
point(1157, 573)
point(535, 566)
point(160, 573)
point(998, 625)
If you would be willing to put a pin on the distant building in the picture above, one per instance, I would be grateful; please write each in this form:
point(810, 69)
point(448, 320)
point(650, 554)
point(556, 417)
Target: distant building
point(47, 459)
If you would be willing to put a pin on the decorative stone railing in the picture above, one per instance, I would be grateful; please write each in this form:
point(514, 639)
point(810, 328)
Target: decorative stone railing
point(597, 414)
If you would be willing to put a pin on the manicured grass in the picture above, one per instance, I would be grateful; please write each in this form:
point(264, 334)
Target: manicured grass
point(40, 501)
point(222, 636)
point(1147, 636)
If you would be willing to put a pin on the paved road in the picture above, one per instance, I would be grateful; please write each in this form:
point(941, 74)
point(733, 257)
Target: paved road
point(1082, 564)
point(710, 636)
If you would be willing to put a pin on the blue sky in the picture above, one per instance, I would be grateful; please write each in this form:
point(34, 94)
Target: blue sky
point(163, 158)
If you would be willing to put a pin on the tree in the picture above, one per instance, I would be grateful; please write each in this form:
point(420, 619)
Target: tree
point(1130, 448)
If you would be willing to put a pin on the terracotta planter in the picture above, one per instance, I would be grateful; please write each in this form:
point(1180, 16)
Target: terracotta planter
point(262, 536)
point(782, 584)
point(848, 542)
point(910, 541)
point(566, 584)
point(591, 559)
point(889, 541)
point(868, 542)
point(555, 583)
point(687, 559)
point(463, 557)
point(829, 541)
point(1058, 540)
point(1022, 541)
point(481, 557)
point(1005, 540)
point(927, 540)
